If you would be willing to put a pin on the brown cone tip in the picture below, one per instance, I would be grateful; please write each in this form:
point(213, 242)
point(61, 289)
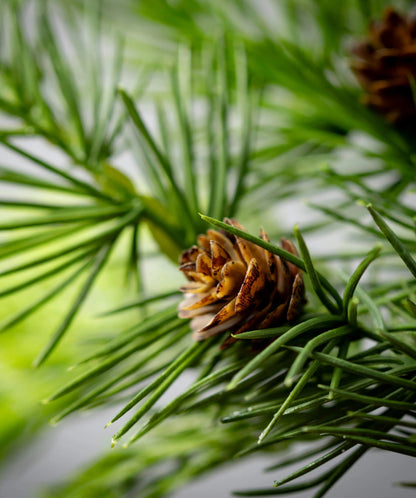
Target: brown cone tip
point(234, 285)
point(385, 65)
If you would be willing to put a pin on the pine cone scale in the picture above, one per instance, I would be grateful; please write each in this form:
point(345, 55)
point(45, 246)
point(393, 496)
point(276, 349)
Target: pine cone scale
point(296, 298)
point(232, 277)
point(252, 287)
point(220, 257)
point(203, 265)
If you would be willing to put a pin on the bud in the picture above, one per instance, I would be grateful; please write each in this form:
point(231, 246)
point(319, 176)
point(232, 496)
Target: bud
point(235, 286)
point(385, 66)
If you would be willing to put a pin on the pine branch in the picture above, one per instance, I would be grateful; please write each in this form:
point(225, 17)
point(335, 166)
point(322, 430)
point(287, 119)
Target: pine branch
point(325, 374)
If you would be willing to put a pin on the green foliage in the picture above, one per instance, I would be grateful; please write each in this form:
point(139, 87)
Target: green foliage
point(97, 201)
point(235, 124)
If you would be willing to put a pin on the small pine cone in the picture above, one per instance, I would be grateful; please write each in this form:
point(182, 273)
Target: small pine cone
point(235, 285)
point(385, 65)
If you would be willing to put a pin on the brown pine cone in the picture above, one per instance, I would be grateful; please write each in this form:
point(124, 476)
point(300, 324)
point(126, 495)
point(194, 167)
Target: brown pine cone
point(235, 285)
point(385, 65)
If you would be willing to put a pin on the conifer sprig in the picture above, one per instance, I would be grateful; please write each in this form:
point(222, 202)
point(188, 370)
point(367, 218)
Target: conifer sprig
point(242, 124)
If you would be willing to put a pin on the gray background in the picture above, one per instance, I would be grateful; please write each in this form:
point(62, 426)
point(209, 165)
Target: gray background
point(66, 448)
